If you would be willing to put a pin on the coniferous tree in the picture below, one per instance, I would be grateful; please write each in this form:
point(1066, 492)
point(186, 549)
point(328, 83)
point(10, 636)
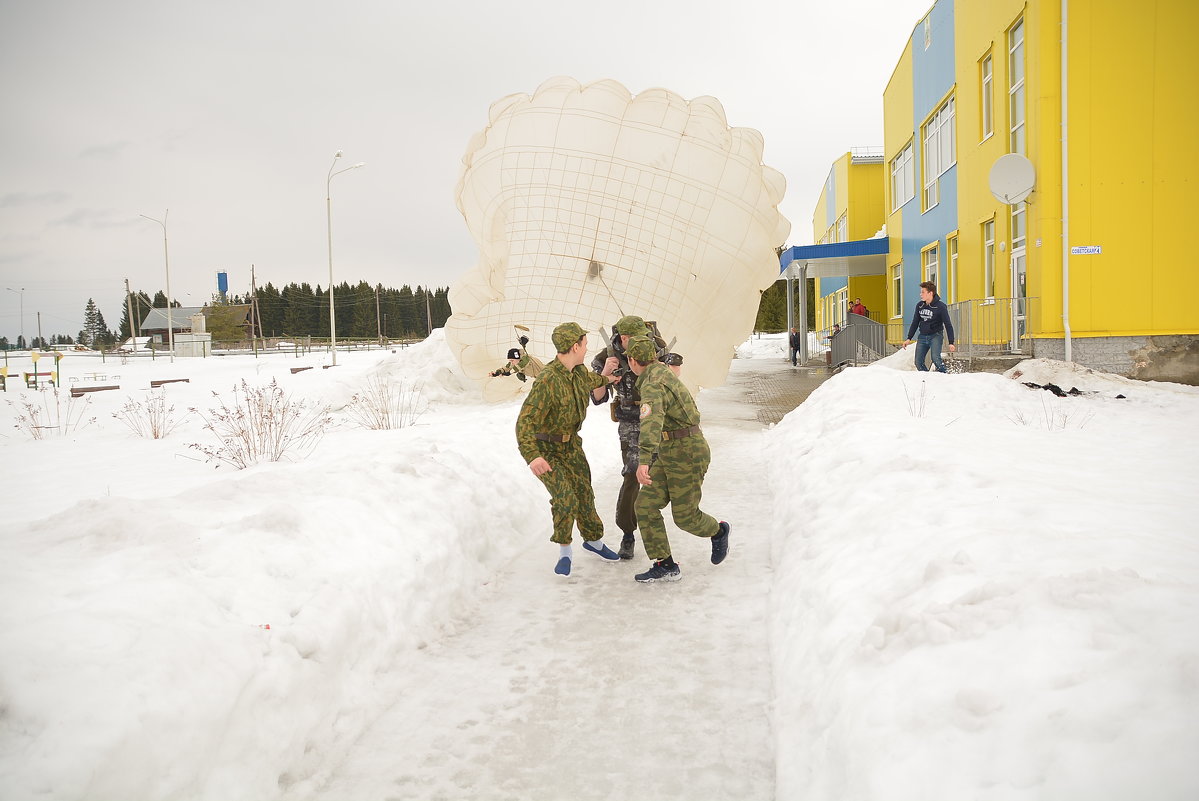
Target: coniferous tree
point(270, 310)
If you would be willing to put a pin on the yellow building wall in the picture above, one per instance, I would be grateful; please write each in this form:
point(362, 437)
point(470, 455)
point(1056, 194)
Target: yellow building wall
point(1132, 191)
point(898, 124)
point(867, 213)
point(1133, 179)
point(979, 29)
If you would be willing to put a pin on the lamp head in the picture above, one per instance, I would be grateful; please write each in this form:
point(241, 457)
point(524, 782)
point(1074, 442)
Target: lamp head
point(337, 155)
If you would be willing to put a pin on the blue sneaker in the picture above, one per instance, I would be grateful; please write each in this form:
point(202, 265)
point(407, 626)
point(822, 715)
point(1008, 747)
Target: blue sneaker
point(598, 547)
point(720, 543)
point(563, 566)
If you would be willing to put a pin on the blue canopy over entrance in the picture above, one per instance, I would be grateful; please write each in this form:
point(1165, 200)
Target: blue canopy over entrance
point(833, 260)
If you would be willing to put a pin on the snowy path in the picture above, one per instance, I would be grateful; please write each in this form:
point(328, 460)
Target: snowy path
point(596, 686)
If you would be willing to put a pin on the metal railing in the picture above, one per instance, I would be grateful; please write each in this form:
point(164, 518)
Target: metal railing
point(993, 326)
point(861, 341)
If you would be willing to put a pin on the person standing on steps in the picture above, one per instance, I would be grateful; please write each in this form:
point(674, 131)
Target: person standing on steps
point(547, 433)
point(932, 318)
point(673, 458)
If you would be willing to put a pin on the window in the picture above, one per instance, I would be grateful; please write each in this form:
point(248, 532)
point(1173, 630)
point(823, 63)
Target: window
point(940, 150)
point(843, 228)
point(951, 278)
point(1016, 86)
point(989, 258)
point(987, 96)
point(897, 290)
point(902, 187)
point(930, 265)
point(1019, 226)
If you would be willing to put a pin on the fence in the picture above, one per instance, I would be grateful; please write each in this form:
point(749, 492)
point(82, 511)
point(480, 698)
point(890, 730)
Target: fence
point(861, 341)
point(993, 326)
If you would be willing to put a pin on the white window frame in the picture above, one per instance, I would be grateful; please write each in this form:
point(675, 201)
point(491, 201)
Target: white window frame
point(842, 228)
point(930, 264)
point(940, 149)
point(951, 276)
point(902, 185)
point(1019, 225)
point(1016, 99)
point(987, 93)
point(897, 290)
point(989, 258)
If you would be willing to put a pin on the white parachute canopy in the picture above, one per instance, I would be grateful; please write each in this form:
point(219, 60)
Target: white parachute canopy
point(589, 204)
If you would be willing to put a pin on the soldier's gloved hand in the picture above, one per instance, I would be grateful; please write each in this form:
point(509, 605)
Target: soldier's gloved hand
point(522, 376)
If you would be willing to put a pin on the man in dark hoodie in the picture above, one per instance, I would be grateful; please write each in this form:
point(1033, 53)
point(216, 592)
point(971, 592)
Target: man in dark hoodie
point(932, 318)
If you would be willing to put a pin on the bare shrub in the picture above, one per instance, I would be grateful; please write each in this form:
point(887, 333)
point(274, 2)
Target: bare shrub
point(1054, 416)
point(917, 403)
point(152, 419)
point(384, 406)
point(62, 417)
point(262, 423)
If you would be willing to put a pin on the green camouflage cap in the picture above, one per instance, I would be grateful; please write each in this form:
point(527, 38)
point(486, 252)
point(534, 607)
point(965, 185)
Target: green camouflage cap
point(642, 349)
point(631, 325)
point(566, 335)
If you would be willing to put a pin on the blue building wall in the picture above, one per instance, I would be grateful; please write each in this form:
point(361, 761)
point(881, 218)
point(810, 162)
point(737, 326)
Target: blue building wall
point(932, 78)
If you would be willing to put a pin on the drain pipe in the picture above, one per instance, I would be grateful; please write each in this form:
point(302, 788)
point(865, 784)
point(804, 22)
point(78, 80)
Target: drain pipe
point(1065, 195)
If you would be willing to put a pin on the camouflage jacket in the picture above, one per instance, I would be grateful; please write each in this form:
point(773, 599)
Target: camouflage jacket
point(556, 404)
point(623, 392)
point(666, 405)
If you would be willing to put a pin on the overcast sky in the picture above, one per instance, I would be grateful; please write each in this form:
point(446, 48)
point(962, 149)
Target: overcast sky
point(229, 113)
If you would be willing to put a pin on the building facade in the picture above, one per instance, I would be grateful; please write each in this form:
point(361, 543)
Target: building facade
point(850, 208)
point(1092, 259)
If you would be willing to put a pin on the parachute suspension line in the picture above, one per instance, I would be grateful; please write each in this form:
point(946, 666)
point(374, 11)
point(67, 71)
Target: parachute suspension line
point(595, 269)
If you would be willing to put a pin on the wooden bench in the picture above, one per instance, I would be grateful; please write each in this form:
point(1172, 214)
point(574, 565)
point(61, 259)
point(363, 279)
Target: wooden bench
point(160, 382)
point(295, 370)
point(78, 391)
point(33, 379)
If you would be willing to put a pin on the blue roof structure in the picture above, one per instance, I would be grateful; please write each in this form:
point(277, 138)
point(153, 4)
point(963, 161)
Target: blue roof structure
point(837, 259)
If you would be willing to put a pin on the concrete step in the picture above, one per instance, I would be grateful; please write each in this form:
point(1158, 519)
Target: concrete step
point(995, 363)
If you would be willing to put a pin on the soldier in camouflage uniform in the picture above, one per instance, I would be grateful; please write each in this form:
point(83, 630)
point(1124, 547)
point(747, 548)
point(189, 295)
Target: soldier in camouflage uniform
point(547, 433)
point(626, 405)
point(673, 458)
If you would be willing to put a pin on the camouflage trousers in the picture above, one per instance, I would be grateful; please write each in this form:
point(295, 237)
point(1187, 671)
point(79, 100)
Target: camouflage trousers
point(626, 511)
point(678, 480)
point(572, 500)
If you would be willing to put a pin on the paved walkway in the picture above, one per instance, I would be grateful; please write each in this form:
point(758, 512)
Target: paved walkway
point(776, 388)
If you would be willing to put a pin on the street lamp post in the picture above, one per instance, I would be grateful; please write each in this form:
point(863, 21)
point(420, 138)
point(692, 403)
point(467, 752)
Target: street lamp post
point(167, 259)
point(329, 218)
point(21, 293)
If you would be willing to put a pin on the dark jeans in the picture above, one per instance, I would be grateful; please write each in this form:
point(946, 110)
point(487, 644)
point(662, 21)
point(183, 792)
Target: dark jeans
point(930, 345)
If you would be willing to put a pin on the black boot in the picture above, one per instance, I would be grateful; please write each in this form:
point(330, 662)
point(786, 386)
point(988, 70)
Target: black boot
point(627, 546)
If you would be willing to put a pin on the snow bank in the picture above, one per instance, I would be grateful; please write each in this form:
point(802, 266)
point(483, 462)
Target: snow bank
point(135, 618)
point(984, 591)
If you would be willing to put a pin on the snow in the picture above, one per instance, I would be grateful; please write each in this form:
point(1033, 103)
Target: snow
point(939, 587)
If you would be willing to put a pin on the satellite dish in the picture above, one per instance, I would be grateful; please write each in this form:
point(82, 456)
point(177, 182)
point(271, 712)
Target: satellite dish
point(1012, 178)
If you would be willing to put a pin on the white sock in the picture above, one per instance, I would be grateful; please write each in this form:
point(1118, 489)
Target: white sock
point(565, 551)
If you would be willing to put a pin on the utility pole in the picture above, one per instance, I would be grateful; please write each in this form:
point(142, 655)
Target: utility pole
point(129, 311)
point(378, 318)
point(428, 314)
point(254, 311)
point(41, 342)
